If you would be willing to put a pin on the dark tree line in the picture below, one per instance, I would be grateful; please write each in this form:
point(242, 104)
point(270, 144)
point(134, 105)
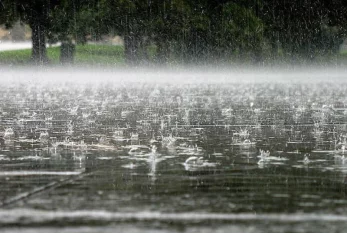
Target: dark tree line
point(188, 31)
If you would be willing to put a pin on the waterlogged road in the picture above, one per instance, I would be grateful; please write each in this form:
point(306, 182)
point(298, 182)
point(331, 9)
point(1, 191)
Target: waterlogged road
point(144, 158)
point(157, 191)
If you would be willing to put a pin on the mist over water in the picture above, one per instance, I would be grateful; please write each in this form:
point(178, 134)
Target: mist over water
point(175, 75)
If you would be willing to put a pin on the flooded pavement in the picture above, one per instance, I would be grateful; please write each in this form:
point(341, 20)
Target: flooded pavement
point(144, 157)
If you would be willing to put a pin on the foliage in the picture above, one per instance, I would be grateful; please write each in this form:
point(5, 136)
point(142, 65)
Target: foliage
point(305, 28)
point(190, 31)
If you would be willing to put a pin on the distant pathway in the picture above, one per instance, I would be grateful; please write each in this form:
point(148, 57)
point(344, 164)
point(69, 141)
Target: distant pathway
point(8, 45)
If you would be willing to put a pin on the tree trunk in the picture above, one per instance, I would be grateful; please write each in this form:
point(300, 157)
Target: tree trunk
point(162, 52)
point(131, 49)
point(39, 52)
point(67, 52)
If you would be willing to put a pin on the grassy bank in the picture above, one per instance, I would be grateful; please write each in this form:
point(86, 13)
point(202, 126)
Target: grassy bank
point(85, 55)
point(110, 55)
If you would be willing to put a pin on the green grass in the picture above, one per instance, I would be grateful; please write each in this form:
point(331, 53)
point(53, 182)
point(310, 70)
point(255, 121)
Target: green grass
point(99, 55)
point(103, 55)
point(85, 55)
point(15, 56)
point(343, 56)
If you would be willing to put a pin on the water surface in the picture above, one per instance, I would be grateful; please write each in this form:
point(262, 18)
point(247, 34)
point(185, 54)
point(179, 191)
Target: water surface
point(139, 156)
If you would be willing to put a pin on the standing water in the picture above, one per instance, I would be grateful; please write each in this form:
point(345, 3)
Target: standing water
point(172, 152)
